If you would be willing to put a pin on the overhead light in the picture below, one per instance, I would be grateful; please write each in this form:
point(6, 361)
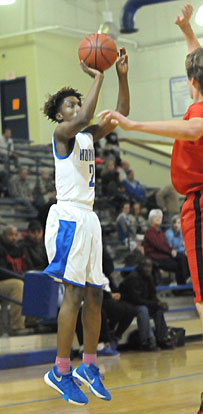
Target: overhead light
point(199, 16)
point(108, 27)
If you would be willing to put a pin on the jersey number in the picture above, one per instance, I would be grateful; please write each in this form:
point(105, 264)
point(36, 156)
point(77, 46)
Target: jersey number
point(91, 171)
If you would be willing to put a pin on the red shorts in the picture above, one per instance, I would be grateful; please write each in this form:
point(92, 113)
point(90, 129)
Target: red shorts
point(192, 228)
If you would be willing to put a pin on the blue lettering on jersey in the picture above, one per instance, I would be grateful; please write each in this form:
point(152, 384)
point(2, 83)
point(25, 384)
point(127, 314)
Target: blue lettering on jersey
point(87, 155)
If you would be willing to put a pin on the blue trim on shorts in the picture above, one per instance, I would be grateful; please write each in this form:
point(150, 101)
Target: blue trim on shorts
point(71, 146)
point(62, 279)
point(64, 241)
point(91, 284)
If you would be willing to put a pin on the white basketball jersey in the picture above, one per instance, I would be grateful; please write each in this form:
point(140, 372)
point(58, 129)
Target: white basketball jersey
point(75, 172)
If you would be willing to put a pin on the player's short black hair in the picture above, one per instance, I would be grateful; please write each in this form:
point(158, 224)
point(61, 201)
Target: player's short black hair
point(52, 106)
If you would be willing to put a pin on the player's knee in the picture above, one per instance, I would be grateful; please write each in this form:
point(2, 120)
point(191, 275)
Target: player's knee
point(95, 296)
point(74, 294)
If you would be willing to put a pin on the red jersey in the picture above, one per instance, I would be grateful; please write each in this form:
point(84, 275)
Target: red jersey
point(187, 158)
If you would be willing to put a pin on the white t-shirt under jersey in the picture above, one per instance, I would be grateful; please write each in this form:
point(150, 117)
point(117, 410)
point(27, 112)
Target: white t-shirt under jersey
point(75, 172)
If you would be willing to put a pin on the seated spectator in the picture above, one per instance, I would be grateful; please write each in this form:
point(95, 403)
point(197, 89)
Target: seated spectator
point(122, 170)
point(44, 189)
point(4, 182)
point(174, 235)
point(167, 200)
point(119, 313)
point(112, 149)
point(20, 190)
point(133, 187)
point(138, 290)
point(11, 252)
point(11, 278)
point(157, 248)
point(138, 221)
point(7, 148)
point(34, 248)
point(110, 180)
point(125, 229)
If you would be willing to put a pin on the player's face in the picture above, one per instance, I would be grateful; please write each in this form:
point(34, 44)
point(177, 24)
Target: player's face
point(70, 108)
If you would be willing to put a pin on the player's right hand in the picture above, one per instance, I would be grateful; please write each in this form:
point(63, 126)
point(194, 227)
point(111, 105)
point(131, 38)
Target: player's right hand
point(183, 20)
point(92, 72)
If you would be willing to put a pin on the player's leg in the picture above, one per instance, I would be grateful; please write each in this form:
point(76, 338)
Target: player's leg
point(91, 318)
point(88, 373)
point(67, 318)
point(60, 377)
point(192, 225)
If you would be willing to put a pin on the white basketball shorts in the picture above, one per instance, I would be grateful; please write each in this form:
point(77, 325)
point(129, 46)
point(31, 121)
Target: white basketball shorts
point(74, 245)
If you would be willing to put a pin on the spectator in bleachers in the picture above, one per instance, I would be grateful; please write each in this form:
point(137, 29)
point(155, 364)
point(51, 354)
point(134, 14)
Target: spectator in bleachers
point(119, 313)
point(123, 169)
point(175, 241)
point(133, 187)
point(125, 229)
point(157, 248)
point(138, 221)
point(174, 235)
point(4, 182)
point(20, 190)
point(111, 148)
point(44, 189)
point(110, 180)
point(11, 252)
point(138, 290)
point(167, 200)
point(11, 279)
point(7, 147)
point(34, 248)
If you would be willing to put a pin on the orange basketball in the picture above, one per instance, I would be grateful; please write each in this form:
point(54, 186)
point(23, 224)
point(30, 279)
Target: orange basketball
point(98, 51)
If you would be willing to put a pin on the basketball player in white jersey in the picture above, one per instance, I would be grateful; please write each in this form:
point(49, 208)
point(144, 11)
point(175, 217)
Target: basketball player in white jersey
point(73, 232)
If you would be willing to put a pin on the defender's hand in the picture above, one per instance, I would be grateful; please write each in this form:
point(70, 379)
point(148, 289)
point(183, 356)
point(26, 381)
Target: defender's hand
point(122, 62)
point(183, 20)
point(116, 119)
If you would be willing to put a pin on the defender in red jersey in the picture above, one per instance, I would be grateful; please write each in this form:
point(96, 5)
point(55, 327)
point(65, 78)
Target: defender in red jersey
point(187, 156)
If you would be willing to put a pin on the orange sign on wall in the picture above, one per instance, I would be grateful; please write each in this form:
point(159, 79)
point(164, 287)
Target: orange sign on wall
point(16, 104)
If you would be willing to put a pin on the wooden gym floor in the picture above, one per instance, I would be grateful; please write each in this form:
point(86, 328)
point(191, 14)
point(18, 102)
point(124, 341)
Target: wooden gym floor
point(163, 382)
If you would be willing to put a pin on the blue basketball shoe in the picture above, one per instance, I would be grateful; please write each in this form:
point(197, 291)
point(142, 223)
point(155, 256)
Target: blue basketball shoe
point(90, 376)
point(66, 385)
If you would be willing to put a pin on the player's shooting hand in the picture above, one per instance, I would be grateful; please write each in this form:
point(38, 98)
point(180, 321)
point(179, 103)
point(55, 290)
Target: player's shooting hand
point(183, 20)
point(122, 62)
point(90, 71)
point(116, 119)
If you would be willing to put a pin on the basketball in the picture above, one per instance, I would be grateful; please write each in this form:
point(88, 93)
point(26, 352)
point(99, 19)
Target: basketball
point(98, 51)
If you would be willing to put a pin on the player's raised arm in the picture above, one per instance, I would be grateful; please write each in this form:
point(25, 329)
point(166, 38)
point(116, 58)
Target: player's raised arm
point(106, 126)
point(67, 130)
point(184, 23)
point(123, 103)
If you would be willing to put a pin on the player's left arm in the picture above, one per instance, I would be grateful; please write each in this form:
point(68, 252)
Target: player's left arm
point(104, 127)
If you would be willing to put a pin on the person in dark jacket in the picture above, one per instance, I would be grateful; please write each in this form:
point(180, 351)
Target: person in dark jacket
point(138, 289)
point(34, 248)
point(11, 278)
